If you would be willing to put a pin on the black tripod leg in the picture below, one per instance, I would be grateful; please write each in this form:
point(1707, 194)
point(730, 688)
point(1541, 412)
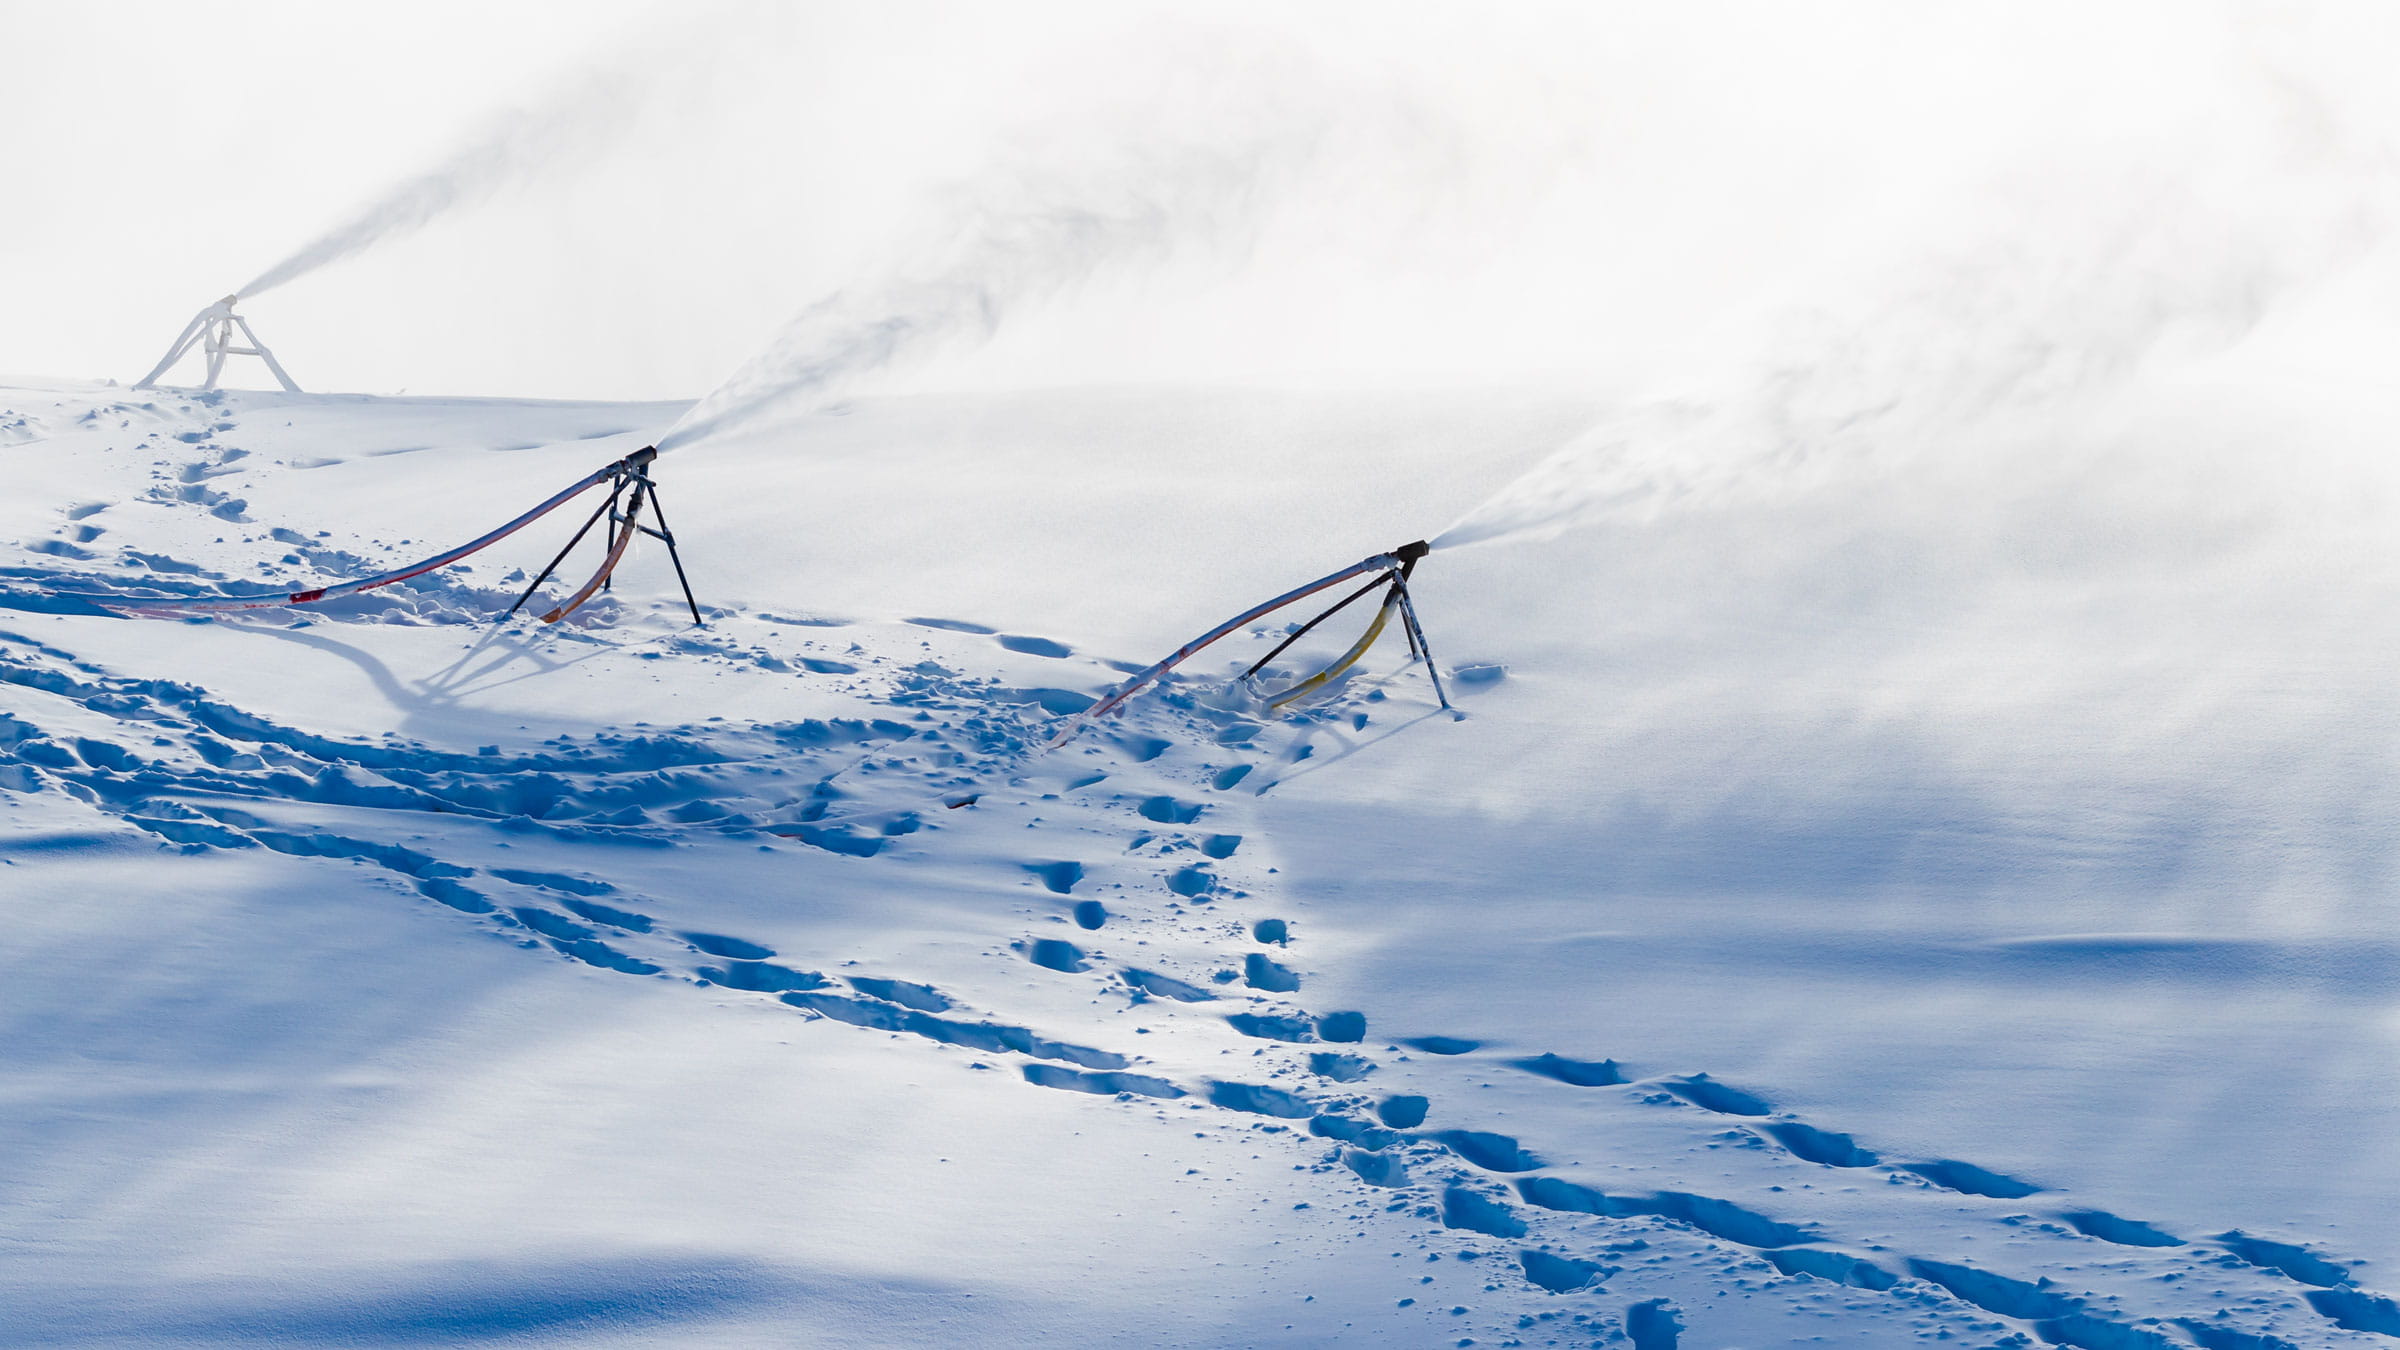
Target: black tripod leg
point(675, 556)
point(606, 508)
point(1408, 611)
point(1303, 630)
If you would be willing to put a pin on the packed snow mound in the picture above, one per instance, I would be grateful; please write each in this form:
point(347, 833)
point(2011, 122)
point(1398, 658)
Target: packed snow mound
point(1859, 916)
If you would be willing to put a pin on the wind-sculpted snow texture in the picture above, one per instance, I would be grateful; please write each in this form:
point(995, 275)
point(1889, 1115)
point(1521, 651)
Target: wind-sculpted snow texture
point(1115, 925)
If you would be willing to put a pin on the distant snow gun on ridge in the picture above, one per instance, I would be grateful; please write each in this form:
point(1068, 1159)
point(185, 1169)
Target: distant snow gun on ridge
point(630, 490)
point(1388, 572)
point(213, 329)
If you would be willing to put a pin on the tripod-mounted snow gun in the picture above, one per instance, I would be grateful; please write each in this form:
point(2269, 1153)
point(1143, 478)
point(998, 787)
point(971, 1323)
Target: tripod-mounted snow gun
point(630, 489)
point(1391, 573)
point(213, 330)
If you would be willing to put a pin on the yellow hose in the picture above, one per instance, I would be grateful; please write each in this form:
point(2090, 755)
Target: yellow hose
point(1348, 659)
point(616, 552)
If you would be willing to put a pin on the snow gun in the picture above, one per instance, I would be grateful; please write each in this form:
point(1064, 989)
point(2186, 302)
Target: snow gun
point(213, 329)
point(1390, 575)
point(629, 491)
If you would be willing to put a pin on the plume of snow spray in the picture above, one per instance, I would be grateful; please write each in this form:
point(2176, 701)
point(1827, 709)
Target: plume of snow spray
point(1026, 239)
point(2071, 288)
point(576, 119)
point(1023, 233)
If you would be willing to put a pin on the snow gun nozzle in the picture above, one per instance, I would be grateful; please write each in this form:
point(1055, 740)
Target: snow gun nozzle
point(640, 458)
point(1409, 553)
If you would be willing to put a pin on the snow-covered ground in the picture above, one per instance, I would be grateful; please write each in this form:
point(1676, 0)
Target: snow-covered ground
point(1946, 900)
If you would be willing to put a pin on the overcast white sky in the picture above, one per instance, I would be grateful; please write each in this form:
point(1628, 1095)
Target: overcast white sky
point(1590, 194)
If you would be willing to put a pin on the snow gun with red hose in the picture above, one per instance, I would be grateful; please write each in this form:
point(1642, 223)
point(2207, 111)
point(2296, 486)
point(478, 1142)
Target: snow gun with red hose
point(1387, 572)
point(630, 491)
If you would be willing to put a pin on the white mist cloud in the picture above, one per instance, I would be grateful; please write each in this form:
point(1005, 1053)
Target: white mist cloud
point(2052, 282)
point(560, 130)
point(1189, 171)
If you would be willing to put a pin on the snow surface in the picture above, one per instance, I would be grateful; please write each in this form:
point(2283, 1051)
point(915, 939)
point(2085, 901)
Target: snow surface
point(1946, 903)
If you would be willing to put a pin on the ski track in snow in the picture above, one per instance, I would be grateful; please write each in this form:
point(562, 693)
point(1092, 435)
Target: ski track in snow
point(1149, 848)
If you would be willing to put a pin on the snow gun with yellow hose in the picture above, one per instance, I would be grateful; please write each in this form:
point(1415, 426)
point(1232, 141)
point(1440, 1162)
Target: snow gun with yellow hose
point(1386, 572)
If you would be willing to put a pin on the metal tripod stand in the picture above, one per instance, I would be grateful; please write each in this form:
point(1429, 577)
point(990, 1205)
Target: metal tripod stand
point(630, 488)
point(213, 329)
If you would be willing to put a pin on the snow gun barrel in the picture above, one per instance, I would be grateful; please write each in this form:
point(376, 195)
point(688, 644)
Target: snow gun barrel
point(1399, 562)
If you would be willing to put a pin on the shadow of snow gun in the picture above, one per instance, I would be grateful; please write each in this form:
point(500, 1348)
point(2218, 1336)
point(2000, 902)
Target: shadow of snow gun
point(630, 490)
point(1387, 574)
